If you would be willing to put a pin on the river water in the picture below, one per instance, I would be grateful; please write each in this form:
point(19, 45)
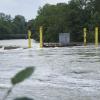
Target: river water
point(69, 73)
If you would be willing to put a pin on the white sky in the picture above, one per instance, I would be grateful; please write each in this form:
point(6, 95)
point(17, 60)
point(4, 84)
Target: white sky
point(27, 8)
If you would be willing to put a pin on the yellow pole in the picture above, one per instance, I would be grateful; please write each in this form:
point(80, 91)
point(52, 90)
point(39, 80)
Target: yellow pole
point(41, 37)
point(96, 36)
point(29, 39)
point(85, 34)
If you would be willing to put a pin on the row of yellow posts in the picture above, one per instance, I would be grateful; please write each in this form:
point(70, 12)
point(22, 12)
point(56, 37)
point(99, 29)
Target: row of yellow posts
point(96, 36)
point(85, 37)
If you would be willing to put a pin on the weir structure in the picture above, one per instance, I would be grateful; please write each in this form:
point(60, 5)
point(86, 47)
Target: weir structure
point(57, 44)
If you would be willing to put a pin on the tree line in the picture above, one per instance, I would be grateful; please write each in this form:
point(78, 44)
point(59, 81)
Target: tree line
point(69, 17)
point(12, 27)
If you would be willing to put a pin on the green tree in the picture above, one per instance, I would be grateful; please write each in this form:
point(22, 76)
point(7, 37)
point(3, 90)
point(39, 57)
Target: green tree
point(19, 24)
point(53, 19)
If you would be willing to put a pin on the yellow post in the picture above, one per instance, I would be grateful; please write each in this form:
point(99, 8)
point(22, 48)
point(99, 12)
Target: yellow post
point(85, 34)
point(96, 36)
point(41, 37)
point(29, 39)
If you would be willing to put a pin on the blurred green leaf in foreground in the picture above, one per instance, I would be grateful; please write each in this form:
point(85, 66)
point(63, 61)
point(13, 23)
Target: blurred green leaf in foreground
point(23, 98)
point(22, 75)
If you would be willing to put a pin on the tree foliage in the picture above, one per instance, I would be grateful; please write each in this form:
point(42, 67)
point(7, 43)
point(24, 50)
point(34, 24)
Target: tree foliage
point(22, 75)
point(71, 17)
point(9, 26)
point(18, 78)
point(23, 98)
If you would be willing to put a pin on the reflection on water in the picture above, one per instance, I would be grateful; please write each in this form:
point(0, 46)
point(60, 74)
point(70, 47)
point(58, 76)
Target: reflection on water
point(61, 73)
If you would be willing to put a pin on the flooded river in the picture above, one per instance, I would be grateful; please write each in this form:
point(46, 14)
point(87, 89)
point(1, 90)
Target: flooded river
point(69, 73)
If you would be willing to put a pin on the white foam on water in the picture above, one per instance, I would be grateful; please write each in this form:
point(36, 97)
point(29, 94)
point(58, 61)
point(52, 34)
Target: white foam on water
point(56, 68)
point(5, 86)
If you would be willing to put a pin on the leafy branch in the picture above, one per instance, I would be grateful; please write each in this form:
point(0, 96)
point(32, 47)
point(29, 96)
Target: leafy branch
point(18, 78)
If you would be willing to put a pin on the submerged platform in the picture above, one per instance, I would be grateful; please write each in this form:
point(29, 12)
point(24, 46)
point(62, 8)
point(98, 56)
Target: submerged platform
point(9, 47)
point(60, 45)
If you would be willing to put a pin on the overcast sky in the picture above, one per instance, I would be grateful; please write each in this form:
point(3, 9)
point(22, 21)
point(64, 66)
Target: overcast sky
point(27, 8)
